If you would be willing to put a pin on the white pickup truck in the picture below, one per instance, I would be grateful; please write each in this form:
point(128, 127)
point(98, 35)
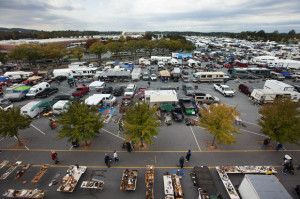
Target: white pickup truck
point(224, 89)
point(6, 107)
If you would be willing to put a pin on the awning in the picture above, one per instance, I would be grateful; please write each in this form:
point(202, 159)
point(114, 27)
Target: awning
point(33, 78)
point(164, 73)
point(47, 104)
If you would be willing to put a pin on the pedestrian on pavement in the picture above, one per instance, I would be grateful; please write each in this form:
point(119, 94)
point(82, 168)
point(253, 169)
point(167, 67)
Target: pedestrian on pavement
point(149, 83)
point(286, 158)
point(115, 157)
point(181, 161)
point(188, 155)
point(279, 146)
point(106, 160)
point(54, 157)
point(265, 144)
point(51, 124)
point(58, 82)
point(121, 125)
point(128, 145)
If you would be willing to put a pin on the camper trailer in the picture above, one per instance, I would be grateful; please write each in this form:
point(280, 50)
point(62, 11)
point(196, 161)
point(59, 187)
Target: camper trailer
point(37, 89)
point(32, 109)
point(264, 96)
point(277, 86)
point(136, 74)
point(60, 106)
point(62, 72)
point(18, 75)
point(209, 77)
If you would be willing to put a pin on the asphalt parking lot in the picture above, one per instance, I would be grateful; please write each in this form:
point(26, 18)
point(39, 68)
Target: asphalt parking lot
point(172, 142)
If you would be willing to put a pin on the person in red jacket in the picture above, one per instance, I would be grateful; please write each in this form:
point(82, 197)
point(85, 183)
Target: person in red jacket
point(54, 157)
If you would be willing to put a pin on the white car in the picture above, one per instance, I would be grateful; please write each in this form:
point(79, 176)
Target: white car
point(153, 77)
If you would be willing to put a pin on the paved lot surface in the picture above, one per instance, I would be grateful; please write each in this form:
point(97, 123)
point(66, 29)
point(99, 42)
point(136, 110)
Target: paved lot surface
point(172, 142)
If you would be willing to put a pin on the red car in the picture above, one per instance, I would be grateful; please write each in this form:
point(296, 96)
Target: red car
point(246, 89)
point(142, 93)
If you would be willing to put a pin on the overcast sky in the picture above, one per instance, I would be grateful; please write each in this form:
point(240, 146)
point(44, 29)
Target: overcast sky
point(152, 15)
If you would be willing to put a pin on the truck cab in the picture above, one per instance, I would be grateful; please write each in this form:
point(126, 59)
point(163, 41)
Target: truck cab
point(130, 90)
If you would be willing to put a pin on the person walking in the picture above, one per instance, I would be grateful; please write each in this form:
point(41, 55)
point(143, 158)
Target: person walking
point(106, 160)
point(54, 157)
point(181, 161)
point(149, 83)
point(188, 155)
point(115, 156)
point(265, 144)
point(51, 124)
point(121, 125)
point(128, 146)
point(279, 146)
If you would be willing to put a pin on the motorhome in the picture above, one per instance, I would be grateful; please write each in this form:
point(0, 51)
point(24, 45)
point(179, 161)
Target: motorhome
point(83, 72)
point(144, 61)
point(17, 75)
point(259, 72)
point(136, 74)
point(62, 72)
point(158, 97)
point(31, 109)
point(37, 89)
point(277, 86)
point(264, 96)
point(209, 77)
point(261, 60)
point(60, 106)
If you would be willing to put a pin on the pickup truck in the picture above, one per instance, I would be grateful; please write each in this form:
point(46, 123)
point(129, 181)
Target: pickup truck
point(6, 107)
point(80, 91)
point(188, 106)
point(188, 89)
point(224, 89)
point(204, 98)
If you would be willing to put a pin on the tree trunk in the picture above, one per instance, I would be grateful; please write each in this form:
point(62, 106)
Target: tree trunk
point(212, 144)
point(86, 143)
point(142, 143)
point(18, 140)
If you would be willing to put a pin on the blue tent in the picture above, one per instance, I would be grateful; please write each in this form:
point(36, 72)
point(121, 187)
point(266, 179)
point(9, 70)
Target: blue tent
point(3, 79)
point(286, 73)
point(116, 62)
point(131, 66)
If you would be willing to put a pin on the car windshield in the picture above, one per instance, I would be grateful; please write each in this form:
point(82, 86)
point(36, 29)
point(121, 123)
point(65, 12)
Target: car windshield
point(129, 90)
point(110, 97)
point(31, 91)
point(153, 75)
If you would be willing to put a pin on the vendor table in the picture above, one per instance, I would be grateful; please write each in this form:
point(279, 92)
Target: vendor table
point(10, 170)
point(168, 186)
point(129, 179)
point(177, 186)
point(69, 181)
point(40, 174)
point(2, 164)
point(22, 171)
point(149, 179)
point(25, 193)
point(94, 182)
point(224, 170)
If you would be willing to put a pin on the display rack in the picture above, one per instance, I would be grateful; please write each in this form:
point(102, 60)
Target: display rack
point(10, 170)
point(70, 180)
point(40, 174)
point(149, 180)
point(129, 179)
point(25, 193)
point(22, 171)
point(224, 170)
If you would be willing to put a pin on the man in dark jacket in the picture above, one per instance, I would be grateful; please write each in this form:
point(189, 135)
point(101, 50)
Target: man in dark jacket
point(188, 156)
point(106, 160)
point(181, 161)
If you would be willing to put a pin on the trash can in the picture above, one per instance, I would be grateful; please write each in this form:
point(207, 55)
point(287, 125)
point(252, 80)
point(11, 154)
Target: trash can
point(196, 87)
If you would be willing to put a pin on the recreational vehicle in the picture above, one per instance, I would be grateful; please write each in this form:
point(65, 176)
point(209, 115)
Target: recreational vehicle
point(32, 109)
point(209, 77)
point(37, 89)
point(60, 106)
point(136, 74)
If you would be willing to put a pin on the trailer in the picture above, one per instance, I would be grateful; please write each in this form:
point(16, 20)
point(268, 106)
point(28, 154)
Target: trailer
point(136, 74)
point(277, 86)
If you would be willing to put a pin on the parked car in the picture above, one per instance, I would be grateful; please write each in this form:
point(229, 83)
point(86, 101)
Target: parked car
point(47, 92)
point(177, 114)
point(246, 89)
point(184, 72)
point(63, 97)
point(80, 91)
point(188, 89)
point(4, 101)
point(145, 76)
point(185, 78)
point(107, 90)
point(118, 91)
point(297, 88)
point(153, 77)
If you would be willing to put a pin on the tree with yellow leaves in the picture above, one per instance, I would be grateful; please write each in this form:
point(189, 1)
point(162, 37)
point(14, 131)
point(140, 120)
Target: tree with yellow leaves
point(78, 52)
point(219, 120)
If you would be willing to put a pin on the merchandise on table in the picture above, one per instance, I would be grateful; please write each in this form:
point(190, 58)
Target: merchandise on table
point(92, 184)
point(2, 164)
point(22, 171)
point(10, 170)
point(168, 185)
point(25, 193)
point(40, 174)
point(129, 179)
point(177, 186)
point(149, 179)
point(69, 181)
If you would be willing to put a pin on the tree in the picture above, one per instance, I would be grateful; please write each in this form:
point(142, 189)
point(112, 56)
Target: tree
point(89, 42)
point(292, 32)
point(218, 120)
point(29, 52)
point(79, 123)
point(141, 123)
point(11, 121)
point(150, 46)
point(56, 52)
point(78, 52)
point(115, 47)
point(280, 121)
point(98, 48)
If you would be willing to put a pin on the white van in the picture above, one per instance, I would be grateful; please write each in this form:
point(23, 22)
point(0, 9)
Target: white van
point(32, 109)
point(60, 106)
point(130, 90)
point(37, 89)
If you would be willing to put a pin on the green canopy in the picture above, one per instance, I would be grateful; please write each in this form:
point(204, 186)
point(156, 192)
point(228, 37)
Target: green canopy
point(47, 104)
point(167, 107)
point(22, 88)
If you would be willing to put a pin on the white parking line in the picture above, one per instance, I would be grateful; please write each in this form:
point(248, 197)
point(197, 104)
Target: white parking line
point(195, 139)
point(254, 133)
point(71, 148)
point(37, 129)
point(26, 147)
point(113, 134)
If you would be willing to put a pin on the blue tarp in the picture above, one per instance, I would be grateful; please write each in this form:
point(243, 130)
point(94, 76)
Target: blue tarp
point(3, 79)
point(286, 73)
point(182, 55)
point(116, 62)
point(127, 66)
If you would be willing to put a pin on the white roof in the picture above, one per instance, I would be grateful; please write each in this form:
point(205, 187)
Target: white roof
point(30, 105)
point(94, 99)
point(60, 103)
point(163, 98)
point(97, 84)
